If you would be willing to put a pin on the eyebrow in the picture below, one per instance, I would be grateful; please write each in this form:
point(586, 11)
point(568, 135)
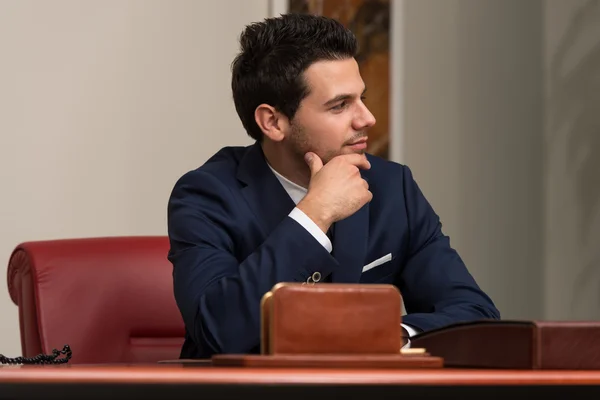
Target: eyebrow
point(343, 96)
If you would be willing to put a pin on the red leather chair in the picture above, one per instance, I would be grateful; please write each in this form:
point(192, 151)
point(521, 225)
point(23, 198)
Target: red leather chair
point(110, 299)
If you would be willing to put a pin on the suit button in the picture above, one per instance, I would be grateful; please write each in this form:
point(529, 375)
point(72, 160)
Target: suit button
point(316, 277)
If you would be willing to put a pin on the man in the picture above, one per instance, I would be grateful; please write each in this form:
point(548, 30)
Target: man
point(304, 203)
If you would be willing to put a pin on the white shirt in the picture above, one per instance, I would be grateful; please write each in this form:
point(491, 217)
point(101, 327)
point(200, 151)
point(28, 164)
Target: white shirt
point(297, 193)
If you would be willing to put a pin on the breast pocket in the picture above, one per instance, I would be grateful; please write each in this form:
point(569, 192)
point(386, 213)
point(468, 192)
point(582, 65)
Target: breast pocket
point(380, 270)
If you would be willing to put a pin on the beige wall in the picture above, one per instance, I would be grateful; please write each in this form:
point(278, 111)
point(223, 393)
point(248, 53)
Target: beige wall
point(572, 159)
point(103, 105)
point(472, 135)
point(502, 130)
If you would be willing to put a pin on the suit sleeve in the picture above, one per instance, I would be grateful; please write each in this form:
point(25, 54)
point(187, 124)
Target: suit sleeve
point(312, 228)
point(436, 286)
point(218, 294)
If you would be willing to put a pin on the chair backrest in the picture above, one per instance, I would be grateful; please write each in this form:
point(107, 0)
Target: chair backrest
point(110, 299)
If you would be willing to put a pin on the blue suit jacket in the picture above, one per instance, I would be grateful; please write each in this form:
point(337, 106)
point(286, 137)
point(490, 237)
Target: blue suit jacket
point(232, 241)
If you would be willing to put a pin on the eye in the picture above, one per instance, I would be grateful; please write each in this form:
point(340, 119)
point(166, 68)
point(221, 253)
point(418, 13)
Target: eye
point(340, 106)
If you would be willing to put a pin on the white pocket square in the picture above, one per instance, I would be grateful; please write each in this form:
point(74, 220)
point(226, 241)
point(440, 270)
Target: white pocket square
point(377, 262)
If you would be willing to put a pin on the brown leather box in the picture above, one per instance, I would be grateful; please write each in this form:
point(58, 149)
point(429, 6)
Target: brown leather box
point(331, 319)
point(331, 326)
point(516, 344)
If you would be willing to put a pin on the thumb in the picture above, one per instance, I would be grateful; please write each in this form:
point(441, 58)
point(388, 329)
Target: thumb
point(314, 163)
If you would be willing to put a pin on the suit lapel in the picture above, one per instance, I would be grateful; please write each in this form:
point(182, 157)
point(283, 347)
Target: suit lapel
point(263, 192)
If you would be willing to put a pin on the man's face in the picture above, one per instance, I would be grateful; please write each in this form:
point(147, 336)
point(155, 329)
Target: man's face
point(332, 120)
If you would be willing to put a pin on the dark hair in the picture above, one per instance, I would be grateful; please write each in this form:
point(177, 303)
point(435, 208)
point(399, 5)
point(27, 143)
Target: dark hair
point(273, 56)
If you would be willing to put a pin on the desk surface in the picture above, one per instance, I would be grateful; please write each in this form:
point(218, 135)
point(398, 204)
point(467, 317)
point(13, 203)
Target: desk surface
point(210, 375)
point(185, 381)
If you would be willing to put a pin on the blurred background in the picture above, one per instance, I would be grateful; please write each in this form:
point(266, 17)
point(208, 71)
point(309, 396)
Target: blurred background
point(494, 104)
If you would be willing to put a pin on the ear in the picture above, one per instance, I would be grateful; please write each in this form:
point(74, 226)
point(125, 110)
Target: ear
point(271, 122)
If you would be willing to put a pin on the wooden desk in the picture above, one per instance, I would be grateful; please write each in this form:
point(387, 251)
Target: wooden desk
point(186, 381)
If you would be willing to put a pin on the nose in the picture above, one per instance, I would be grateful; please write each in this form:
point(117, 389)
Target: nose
point(364, 119)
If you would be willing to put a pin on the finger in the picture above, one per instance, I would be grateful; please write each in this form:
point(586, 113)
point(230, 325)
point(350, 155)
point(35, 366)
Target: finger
point(314, 162)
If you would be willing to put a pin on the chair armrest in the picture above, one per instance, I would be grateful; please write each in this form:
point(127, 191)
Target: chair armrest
point(18, 264)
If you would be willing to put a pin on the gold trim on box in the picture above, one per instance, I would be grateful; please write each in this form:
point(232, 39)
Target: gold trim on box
point(265, 342)
point(410, 351)
point(266, 327)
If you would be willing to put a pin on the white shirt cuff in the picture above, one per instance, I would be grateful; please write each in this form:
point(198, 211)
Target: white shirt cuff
point(411, 332)
point(312, 228)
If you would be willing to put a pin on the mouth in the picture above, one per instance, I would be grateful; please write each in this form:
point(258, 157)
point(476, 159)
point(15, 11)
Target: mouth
point(359, 144)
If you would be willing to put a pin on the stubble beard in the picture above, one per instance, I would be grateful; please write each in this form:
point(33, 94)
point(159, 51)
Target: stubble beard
point(300, 144)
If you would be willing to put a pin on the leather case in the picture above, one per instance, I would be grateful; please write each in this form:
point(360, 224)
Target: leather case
point(332, 325)
point(331, 319)
point(515, 344)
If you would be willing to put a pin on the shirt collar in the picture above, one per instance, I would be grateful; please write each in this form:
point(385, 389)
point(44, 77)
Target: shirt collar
point(295, 191)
